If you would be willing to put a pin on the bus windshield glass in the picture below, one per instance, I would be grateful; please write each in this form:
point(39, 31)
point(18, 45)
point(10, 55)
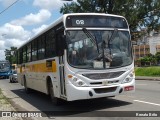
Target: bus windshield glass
point(110, 51)
point(4, 66)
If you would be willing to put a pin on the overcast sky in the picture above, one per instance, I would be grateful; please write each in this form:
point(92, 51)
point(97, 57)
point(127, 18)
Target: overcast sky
point(25, 19)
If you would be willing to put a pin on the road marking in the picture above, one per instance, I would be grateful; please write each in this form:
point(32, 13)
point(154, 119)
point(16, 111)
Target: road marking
point(147, 102)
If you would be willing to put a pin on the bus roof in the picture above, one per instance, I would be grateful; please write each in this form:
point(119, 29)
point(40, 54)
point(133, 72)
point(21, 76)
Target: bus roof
point(61, 19)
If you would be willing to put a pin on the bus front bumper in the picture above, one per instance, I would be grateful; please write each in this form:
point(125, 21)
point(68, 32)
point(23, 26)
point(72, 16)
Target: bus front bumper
point(80, 93)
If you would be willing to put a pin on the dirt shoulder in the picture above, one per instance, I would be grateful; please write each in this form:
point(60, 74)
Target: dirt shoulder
point(5, 106)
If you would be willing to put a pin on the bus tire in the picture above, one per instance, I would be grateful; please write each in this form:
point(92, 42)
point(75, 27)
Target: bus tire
point(55, 100)
point(26, 89)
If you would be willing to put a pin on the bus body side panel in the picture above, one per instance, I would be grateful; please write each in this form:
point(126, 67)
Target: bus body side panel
point(37, 73)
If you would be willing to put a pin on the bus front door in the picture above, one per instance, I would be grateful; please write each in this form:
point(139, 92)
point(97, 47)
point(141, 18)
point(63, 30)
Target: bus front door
point(62, 77)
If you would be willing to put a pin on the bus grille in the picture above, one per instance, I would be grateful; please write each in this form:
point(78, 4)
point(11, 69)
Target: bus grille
point(97, 76)
point(105, 90)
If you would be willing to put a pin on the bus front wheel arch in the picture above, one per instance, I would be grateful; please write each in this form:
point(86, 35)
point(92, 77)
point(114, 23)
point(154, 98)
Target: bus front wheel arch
point(55, 100)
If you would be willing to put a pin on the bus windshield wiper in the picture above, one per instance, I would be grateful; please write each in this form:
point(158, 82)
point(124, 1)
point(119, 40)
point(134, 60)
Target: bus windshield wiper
point(112, 36)
point(105, 55)
point(93, 38)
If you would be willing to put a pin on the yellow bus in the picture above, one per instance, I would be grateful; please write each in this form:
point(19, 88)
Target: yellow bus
point(14, 66)
point(80, 56)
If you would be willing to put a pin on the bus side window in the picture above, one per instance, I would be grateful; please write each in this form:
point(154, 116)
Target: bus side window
point(34, 50)
point(41, 47)
point(50, 43)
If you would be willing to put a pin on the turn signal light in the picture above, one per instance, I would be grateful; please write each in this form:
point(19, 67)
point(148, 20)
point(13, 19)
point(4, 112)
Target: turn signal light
point(70, 76)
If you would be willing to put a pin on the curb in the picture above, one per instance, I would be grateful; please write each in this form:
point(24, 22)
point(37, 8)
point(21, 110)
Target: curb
point(147, 78)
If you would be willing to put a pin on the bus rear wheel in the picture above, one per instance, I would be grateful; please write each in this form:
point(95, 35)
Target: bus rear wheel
point(55, 100)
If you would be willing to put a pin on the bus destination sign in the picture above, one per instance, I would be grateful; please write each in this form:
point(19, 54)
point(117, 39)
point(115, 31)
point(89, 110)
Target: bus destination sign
point(96, 21)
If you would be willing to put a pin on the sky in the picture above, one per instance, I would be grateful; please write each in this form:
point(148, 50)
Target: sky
point(24, 20)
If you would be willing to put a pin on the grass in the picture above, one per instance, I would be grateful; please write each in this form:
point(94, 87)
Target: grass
point(148, 71)
point(3, 99)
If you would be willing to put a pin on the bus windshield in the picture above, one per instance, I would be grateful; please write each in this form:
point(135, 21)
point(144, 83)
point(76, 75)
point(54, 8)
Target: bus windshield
point(4, 66)
point(84, 53)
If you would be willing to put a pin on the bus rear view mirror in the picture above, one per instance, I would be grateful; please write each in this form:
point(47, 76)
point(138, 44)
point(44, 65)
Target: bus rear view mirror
point(61, 45)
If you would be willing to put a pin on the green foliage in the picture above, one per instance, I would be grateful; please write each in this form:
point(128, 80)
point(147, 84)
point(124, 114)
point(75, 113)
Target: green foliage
point(148, 60)
point(137, 12)
point(157, 56)
point(10, 55)
point(147, 71)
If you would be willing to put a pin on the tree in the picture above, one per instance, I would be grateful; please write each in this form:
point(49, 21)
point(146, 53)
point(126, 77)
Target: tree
point(157, 55)
point(10, 55)
point(139, 13)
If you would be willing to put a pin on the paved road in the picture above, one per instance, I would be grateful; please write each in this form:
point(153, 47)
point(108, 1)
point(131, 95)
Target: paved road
point(146, 98)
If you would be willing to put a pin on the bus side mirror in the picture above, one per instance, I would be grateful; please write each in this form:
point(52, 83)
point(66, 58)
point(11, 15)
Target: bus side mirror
point(62, 45)
point(64, 41)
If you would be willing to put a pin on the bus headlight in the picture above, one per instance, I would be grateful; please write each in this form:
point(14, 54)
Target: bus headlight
point(127, 80)
point(129, 77)
point(77, 82)
point(80, 83)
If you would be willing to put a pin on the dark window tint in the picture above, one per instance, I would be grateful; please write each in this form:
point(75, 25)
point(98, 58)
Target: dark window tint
point(29, 52)
point(41, 47)
point(34, 50)
point(24, 54)
point(50, 44)
point(19, 56)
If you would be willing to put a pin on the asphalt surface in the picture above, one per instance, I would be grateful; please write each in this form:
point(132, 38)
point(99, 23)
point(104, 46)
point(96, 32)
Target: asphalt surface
point(146, 99)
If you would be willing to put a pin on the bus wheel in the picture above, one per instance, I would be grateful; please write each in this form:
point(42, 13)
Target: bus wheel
point(27, 90)
point(55, 100)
